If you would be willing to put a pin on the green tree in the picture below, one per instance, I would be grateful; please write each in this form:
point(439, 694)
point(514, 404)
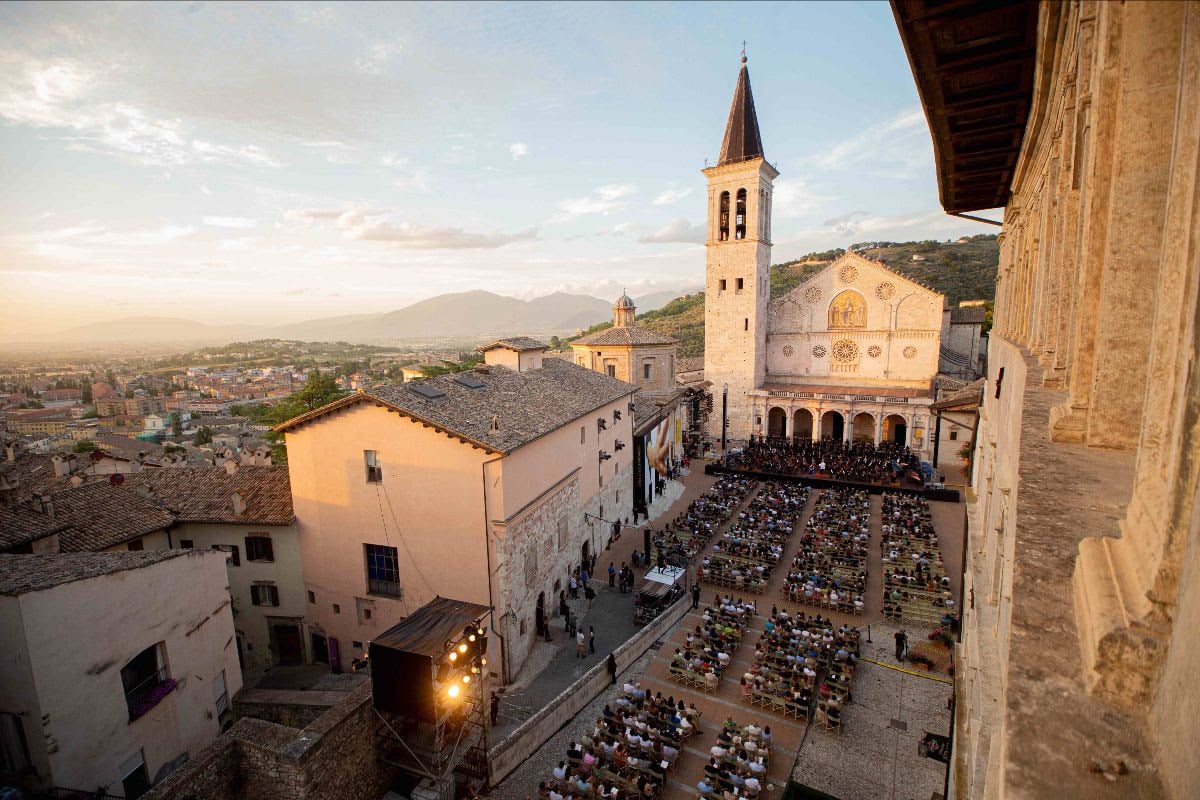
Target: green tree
point(176, 424)
point(204, 435)
point(555, 343)
point(318, 390)
point(84, 447)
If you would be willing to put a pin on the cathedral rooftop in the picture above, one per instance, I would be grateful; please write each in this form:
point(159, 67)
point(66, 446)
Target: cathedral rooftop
point(742, 140)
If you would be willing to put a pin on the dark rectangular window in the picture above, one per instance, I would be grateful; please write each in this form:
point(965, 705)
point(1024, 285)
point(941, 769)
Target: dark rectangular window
point(722, 284)
point(14, 750)
point(953, 435)
point(264, 594)
point(646, 371)
point(746, 324)
point(374, 468)
point(258, 548)
point(186, 544)
point(610, 370)
point(383, 570)
point(232, 553)
point(145, 681)
point(741, 283)
point(312, 597)
point(137, 544)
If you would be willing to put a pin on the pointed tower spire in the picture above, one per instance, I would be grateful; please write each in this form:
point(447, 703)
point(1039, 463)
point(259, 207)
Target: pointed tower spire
point(742, 139)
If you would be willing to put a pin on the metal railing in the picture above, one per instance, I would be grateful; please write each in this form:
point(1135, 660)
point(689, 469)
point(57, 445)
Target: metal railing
point(148, 693)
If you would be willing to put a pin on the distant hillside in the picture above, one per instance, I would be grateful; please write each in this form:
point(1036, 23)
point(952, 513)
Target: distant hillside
point(964, 270)
point(462, 314)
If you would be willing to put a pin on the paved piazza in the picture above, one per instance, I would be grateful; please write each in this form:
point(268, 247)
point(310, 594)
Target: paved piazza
point(890, 708)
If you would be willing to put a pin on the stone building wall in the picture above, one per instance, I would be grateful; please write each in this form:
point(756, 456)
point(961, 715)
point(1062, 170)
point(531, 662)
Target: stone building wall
point(333, 758)
point(1097, 306)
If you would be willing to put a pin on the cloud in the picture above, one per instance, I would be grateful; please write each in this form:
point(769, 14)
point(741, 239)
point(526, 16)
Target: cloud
point(377, 57)
point(846, 223)
point(241, 243)
point(899, 147)
point(409, 178)
point(205, 190)
point(419, 237)
point(230, 222)
point(669, 196)
point(678, 230)
point(57, 94)
point(312, 214)
point(602, 201)
point(794, 198)
point(518, 150)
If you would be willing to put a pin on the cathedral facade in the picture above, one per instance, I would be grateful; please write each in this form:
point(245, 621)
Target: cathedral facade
point(849, 355)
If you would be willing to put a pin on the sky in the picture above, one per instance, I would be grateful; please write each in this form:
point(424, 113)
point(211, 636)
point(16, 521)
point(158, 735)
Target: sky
point(274, 162)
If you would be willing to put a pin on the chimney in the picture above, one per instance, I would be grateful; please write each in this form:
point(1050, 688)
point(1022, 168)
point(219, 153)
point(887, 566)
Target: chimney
point(76, 481)
point(10, 452)
point(239, 505)
point(247, 457)
point(61, 467)
point(231, 466)
point(144, 490)
point(43, 504)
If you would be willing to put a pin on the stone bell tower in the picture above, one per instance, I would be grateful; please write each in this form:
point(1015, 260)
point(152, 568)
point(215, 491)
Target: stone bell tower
point(738, 265)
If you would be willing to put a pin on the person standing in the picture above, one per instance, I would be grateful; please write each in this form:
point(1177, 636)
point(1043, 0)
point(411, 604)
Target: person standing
point(590, 594)
point(695, 595)
point(574, 587)
point(612, 575)
point(612, 668)
point(591, 638)
point(580, 642)
point(495, 711)
point(901, 644)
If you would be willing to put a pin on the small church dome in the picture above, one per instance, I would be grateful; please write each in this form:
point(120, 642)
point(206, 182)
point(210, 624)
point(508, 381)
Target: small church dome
point(624, 301)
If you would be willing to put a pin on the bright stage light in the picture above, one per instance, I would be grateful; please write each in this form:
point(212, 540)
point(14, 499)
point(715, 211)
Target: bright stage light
point(452, 691)
point(466, 678)
point(462, 648)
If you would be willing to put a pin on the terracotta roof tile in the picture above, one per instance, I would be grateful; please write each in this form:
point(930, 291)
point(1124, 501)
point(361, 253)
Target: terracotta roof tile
point(205, 494)
point(626, 335)
point(518, 343)
point(21, 574)
point(525, 405)
point(100, 515)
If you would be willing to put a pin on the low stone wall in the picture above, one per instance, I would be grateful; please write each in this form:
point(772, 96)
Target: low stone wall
point(331, 759)
point(526, 740)
point(293, 708)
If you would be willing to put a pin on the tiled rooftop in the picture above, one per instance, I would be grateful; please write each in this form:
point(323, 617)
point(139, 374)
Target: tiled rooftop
point(626, 335)
point(100, 515)
point(518, 343)
point(205, 494)
point(22, 574)
point(526, 405)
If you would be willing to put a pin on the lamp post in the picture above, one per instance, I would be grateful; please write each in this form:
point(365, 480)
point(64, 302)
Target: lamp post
point(724, 413)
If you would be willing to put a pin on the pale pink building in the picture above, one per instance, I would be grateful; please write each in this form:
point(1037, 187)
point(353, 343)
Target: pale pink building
point(514, 470)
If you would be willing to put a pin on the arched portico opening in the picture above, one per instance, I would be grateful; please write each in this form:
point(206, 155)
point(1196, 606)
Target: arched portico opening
point(802, 425)
point(833, 426)
point(776, 423)
point(895, 429)
point(863, 429)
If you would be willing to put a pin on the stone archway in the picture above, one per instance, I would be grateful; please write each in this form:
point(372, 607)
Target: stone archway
point(863, 428)
point(776, 423)
point(895, 429)
point(802, 425)
point(833, 426)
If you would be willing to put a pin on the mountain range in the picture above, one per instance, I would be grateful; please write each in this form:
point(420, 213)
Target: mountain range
point(465, 314)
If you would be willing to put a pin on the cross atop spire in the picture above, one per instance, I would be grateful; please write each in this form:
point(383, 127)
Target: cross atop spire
point(742, 140)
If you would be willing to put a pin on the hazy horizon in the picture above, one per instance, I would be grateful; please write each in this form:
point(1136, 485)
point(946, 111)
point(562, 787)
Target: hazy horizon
point(269, 163)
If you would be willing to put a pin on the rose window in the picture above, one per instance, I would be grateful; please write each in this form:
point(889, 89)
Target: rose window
point(874, 351)
point(819, 351)
point(849, 273)
point(910, 352)
point(885, 290)
point(845, 350)
point(812, 295)
point(788, 350)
